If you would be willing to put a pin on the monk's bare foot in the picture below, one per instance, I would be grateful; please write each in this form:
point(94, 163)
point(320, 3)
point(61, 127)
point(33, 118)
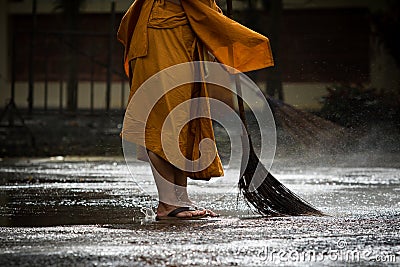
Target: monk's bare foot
point(164, 209)
point(187, 202)
point(210, 213)
point(183, 197)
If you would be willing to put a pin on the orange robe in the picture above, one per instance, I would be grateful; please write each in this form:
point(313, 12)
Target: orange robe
point(158, 34)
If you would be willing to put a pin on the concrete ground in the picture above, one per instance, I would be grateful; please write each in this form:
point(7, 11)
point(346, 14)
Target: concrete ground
point(97, 212)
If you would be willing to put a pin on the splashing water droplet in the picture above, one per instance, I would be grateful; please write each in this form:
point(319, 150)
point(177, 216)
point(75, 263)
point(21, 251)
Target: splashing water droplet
point(149, 214)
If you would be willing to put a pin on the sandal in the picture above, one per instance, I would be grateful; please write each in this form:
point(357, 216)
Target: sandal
point(172, 215)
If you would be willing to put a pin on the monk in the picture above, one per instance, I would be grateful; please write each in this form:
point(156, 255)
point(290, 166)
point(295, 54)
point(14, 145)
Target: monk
point(158, 34)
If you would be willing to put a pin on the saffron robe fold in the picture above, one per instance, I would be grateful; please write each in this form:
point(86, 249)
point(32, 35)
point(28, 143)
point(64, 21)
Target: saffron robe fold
point(217, 32)
point(158, 34)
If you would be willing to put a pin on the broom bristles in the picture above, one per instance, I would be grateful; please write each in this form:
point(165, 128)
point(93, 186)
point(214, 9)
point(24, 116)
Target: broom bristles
point(270, 198)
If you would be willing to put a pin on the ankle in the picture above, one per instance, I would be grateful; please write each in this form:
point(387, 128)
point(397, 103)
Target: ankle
point(182, 195)
point(162, 206)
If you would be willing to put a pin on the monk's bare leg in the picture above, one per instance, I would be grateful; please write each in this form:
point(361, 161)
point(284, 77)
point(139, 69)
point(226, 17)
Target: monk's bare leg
point(164, 176)
point(181, 186)
point(181, 191)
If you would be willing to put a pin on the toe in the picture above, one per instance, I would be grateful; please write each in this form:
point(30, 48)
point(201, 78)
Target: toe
point(200, 212)
point(196, 213)
point(211, 213)
point(207, 212)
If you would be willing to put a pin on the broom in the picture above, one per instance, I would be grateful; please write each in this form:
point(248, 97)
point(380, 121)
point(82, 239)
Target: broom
point(271, 197)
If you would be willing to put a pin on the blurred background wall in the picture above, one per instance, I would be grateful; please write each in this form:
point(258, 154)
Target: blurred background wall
point(336, 58)
point(320, 43)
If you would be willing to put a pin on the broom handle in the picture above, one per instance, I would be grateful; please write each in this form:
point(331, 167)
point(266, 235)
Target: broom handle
point(237, 82)
point(229, 8)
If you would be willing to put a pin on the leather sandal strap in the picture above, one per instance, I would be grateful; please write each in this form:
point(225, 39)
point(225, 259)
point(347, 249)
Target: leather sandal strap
point(179, 210)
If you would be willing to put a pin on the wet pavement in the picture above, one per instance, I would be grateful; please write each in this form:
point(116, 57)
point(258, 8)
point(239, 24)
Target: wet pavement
point(90, 212)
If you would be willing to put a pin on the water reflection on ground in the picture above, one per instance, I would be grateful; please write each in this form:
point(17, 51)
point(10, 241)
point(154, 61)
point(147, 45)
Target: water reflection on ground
point(75, 211)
